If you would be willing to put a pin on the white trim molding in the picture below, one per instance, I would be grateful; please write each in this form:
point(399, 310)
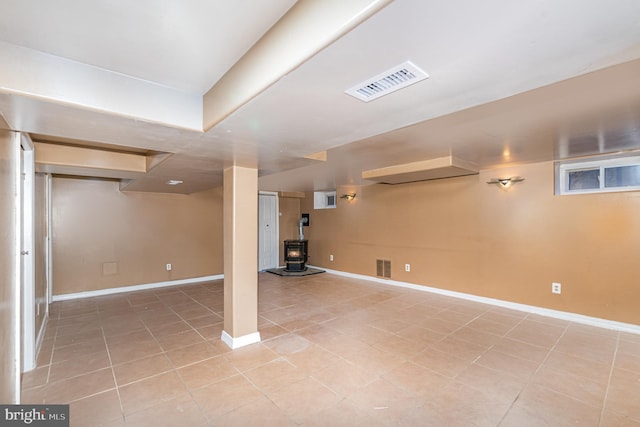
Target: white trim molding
point(572, 317)
point(238, 342)
point(110, 291)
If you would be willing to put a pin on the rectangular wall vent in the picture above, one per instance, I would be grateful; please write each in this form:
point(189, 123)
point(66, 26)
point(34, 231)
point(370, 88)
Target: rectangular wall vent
point(391, 80)
point(383, 268)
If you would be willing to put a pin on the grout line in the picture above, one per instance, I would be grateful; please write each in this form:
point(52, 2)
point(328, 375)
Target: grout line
point(113, 373)
point(529, 380)
point(606, 393)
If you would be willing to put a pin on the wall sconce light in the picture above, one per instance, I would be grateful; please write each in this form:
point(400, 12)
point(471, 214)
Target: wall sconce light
point(505, 182)
point(348, 196)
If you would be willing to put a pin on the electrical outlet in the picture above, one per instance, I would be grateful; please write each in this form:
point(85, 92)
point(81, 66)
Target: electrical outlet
point(168, 267)
point(330, 257)
point(407, 267)
point(556, 288)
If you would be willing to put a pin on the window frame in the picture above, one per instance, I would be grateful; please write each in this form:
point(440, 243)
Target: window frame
point(602, 164)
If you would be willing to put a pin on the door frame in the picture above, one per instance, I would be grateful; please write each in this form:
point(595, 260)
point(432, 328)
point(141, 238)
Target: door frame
point(276, 247)
point(27, 283)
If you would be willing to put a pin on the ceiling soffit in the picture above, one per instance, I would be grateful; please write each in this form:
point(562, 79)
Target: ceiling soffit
point(307, 28)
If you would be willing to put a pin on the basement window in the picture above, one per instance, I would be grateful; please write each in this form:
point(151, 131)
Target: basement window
point(599, 176)
point(324, 199)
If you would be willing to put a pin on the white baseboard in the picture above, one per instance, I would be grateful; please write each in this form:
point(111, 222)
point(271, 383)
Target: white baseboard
point(133, 288)
point(572, 317)
point(242, 341)
point(230, 341)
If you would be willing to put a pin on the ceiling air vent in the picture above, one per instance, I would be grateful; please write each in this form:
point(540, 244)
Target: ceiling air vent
point(391, 80)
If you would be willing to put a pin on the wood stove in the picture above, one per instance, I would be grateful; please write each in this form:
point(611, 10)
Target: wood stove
point(295, 255)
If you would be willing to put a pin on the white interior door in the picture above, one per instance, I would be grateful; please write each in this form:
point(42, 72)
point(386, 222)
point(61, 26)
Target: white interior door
point(268, 230)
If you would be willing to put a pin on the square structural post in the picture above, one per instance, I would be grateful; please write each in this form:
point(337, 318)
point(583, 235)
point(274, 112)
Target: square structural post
point(240, 220)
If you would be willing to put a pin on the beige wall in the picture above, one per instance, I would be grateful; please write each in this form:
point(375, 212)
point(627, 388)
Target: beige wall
point(9, 311)
point(464, 235)
point(103, 238)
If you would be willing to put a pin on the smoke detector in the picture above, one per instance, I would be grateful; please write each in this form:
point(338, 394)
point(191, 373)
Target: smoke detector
point(396, 78)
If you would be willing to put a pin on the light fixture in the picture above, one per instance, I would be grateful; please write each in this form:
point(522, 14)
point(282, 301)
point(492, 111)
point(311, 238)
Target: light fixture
point(348, 196)
point(174, 182)
point(505, 182)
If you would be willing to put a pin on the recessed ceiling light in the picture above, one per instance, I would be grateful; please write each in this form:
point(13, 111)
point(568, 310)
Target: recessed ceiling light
point(174, 182)
point(391, 80)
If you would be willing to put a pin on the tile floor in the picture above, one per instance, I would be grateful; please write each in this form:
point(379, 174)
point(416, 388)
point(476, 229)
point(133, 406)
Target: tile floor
point(335, 352)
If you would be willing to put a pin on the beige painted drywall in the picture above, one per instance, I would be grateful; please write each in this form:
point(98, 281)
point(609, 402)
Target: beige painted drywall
point(240, 251)
point(103, 238)
point(9, 310)
point(464, 235)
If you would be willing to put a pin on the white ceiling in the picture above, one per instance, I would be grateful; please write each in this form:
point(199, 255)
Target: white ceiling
point(133, 74)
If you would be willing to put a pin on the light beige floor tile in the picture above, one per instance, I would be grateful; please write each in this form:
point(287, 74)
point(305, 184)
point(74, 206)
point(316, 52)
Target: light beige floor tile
point(134, 350)
point(459, 348)
point(385, 401)
point(35, 395)
point(274, 375)
point(521, 350)
point(503, 386)
point(303, 398)
point(164, 329)
point(539, 406)
point(81, 364)
point(251, 356)
point(93, 345)
point(419, 381)
point(343, 377)
point(627, 361)
point(207, 320)
point(442, 363)
point(477, 337)
point(622, 396)
point(78, 387)
point(589, 390)
point(178, 411)
point(260, 412)
point(335, 351)
point(225, 396)
point(536, 333)
point(150, 392)
point(479, 408)
point(579, 366)
point(588, 345)
point(96, 410)
point(192, 354)
point(610, 419)
point(36, 377)
point(181, 339)
point(515, 366)
point(129, 372)
point(345, 414)
point(272, 331)
point(207, 372)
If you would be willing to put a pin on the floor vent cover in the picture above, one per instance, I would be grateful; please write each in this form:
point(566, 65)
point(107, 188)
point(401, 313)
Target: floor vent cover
point(391, 80)
point(383, 268)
